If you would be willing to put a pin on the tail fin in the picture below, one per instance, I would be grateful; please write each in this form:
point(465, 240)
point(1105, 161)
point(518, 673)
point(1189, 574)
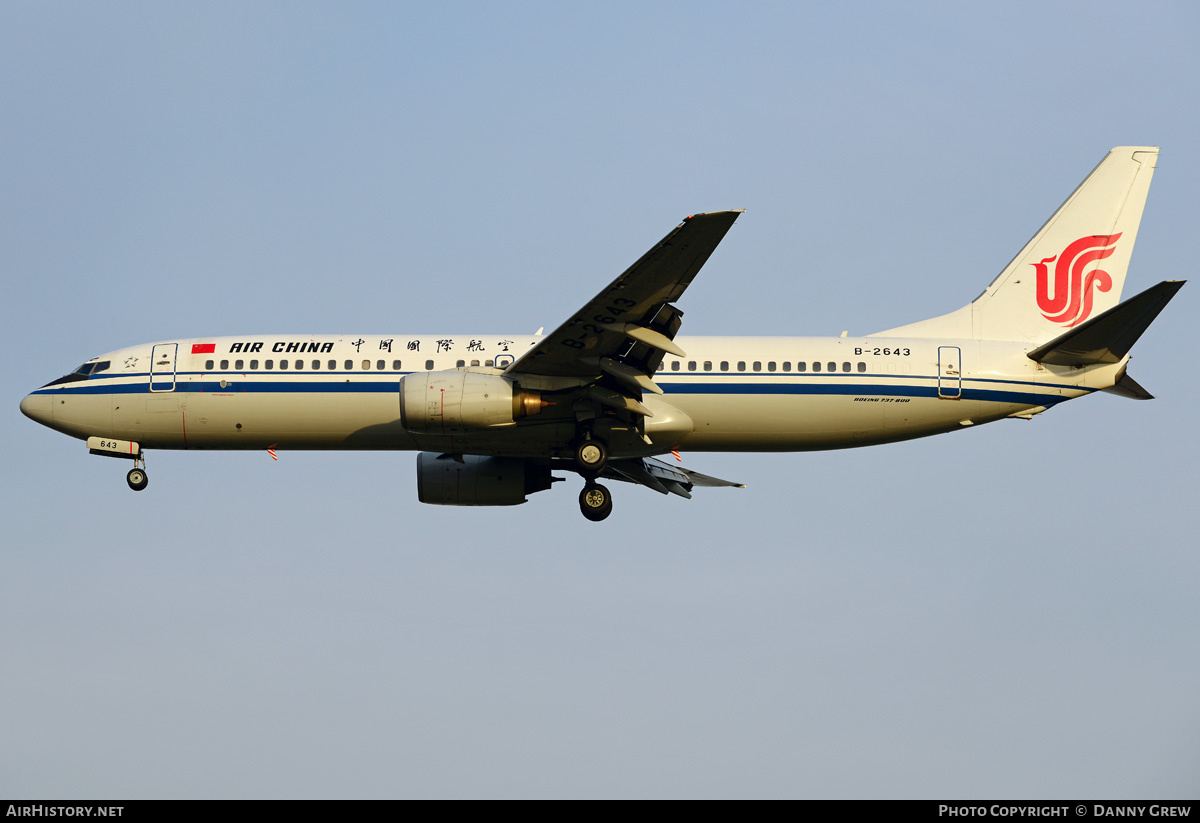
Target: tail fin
point(1073, 268)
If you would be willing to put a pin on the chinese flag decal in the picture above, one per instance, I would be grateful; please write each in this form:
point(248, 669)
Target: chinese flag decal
point(204, 348)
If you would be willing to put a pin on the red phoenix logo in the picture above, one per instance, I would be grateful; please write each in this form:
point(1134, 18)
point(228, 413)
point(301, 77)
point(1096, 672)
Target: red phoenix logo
point(1071, 302)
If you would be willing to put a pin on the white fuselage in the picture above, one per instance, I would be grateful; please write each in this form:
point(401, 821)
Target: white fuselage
point(726, 394)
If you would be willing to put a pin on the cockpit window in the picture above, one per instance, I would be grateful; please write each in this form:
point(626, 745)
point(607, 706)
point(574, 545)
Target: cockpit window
point(81, 373)
point(91, 368)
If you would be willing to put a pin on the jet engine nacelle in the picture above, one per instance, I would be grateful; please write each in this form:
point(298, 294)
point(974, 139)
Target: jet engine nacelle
point(454, 402)
point(472, 480)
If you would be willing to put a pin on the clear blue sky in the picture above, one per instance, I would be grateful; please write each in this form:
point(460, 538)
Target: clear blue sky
point(1005, 612)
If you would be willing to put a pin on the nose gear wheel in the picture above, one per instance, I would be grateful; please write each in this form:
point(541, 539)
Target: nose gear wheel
point(137, 479)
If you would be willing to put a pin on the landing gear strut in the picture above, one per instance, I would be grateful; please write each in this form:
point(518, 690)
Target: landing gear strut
point(595, 501)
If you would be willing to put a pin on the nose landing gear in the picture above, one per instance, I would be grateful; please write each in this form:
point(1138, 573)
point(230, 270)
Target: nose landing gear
point(124, 449)
point(137, 477)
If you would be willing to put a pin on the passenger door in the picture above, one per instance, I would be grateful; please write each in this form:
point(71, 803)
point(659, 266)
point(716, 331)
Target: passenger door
point(162, 367)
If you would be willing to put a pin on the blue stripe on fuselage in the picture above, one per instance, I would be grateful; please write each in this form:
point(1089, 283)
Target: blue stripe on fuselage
point(828, 385)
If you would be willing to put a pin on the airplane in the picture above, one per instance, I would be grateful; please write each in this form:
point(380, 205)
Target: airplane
point(614, 389)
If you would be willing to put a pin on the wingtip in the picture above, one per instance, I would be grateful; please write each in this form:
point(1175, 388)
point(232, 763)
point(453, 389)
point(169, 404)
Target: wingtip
point(713, 213)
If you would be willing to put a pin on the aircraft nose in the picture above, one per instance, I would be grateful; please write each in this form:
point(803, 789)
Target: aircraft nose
point(37, 407)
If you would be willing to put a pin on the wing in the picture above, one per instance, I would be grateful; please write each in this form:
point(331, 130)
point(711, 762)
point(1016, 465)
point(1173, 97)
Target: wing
point(662, 477)
point(625, 329)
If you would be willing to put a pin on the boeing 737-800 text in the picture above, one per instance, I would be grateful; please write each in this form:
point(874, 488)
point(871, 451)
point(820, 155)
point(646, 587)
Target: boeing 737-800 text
point(494, 415)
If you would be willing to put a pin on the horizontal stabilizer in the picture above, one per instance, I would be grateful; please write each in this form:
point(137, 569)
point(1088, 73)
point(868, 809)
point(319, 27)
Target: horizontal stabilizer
point(1128, 387)
point(1108, 337)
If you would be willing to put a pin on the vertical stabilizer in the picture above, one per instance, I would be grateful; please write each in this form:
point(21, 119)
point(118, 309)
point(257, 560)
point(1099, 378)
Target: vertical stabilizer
point(1073, 268)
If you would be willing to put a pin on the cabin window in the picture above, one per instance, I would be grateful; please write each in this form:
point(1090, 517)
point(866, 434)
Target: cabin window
point(333, 365)
point(846, 367)
point(787, 365)
point(801, 365)
point(817, 366)
point(674, 365)
point(474, 362)
point(428, 365)
point(299, 365)
point(283, 364)
point(316, 365)
point(270, 364)
point(366, 365)
point(691, 365)
point(741, 365)
point(239, 364)
point(724, 365)
point(488, 363)
point(224, 365)
point(461, 363)
point(395, 365)
point(349, 365)
point(862, 367)
point(771, 365)
point(208, 365)
point(381, 365)
point(253, 365)
point(708, 365)
point(758, 365)
point(832, 366)
point(661, 365)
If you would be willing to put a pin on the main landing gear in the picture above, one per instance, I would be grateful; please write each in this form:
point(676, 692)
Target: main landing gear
point(595, 501)
point(591, 456)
